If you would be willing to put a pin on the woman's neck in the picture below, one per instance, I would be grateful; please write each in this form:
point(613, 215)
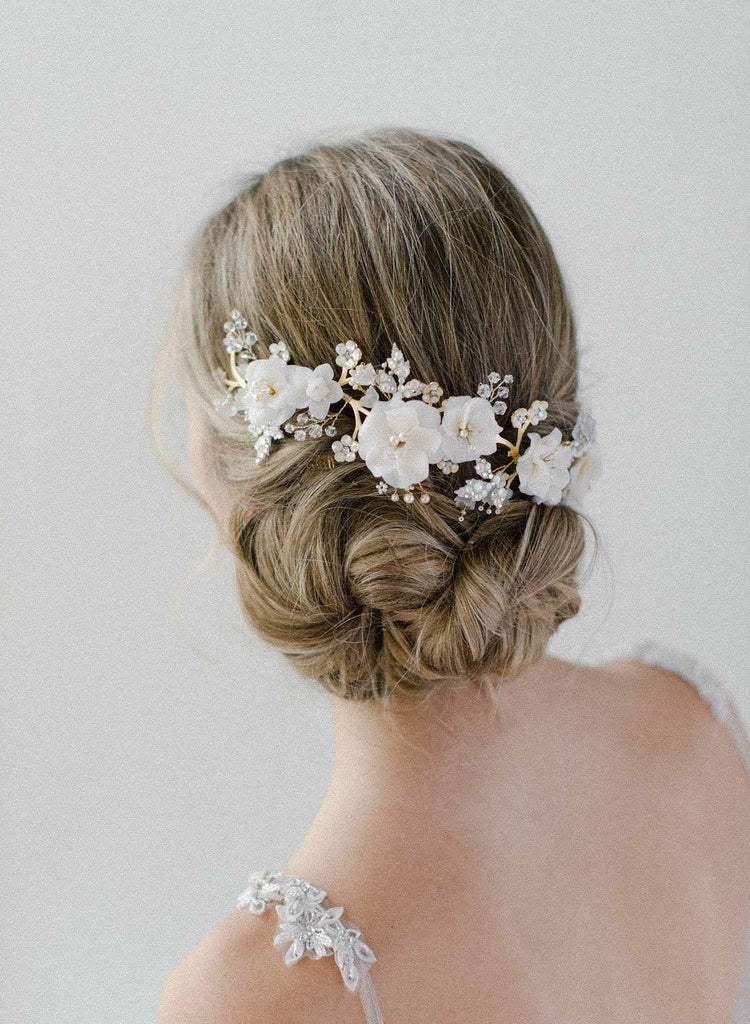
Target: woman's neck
point(436, 781)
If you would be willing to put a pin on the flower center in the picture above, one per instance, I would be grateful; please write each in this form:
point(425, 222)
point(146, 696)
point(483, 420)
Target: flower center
point(465, 434)
point(397, 440)
point(261, 389)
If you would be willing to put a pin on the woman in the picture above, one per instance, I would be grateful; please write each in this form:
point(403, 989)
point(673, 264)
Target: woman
point(380, 360)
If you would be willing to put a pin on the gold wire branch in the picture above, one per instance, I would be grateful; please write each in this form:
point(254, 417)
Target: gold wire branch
point(236, 381)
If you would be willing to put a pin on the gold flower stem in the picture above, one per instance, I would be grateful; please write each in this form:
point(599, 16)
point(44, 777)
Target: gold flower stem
point(515, 449)
point(521, 431)
point(237, 381)
point(357, 408)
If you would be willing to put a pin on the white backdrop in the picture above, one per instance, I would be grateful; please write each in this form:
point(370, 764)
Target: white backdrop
point(150, 745)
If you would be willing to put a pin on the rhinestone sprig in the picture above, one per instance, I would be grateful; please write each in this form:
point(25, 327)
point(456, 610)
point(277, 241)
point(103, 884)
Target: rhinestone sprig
point(236, 336)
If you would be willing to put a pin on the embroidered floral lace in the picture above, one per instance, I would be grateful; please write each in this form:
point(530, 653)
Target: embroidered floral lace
point(315, 930)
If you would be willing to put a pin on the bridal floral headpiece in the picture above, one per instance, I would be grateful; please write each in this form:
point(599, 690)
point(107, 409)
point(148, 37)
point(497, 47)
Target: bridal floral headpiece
point(401, 434)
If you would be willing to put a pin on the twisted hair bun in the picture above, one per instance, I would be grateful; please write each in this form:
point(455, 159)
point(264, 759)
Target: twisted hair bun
point(393, 236)
point(369, 595)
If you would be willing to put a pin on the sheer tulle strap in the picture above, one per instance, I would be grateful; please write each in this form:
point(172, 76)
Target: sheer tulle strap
point(366, 991)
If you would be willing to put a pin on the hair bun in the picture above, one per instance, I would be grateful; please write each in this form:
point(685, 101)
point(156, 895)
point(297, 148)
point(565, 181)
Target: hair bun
point(368, 598)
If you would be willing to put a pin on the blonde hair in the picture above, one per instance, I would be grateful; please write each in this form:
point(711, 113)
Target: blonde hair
point(390, 236)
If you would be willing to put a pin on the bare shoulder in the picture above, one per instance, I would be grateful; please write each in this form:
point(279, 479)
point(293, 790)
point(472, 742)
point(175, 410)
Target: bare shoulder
point(236, 975)
point(688, 757)
point(668, 713)
point(689, 794)
point(216, 982)
point(675, 752)
point(683, 760)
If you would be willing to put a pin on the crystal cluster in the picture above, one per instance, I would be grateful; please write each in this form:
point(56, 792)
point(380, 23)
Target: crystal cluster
point(236, 336)
point(491, 491)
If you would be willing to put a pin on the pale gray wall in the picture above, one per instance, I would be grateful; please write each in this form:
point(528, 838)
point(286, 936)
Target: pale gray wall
point(153, 753)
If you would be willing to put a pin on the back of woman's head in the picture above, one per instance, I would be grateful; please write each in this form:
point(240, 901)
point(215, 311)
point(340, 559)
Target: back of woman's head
point(389, 237)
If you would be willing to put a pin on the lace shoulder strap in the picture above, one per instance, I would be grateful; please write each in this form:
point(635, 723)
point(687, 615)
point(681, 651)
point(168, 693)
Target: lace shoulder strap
point(314, 929)
point(711, 688)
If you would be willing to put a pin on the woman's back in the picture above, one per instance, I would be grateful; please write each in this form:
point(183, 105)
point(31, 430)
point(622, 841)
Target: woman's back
point(613, 894)
point(611, 882)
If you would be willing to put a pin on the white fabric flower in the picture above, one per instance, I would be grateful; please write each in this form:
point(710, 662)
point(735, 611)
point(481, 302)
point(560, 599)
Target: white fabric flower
point(322, 390)
point(369, 398)
point(469, 428)
point(399, 439)
point(584, 432)
point(543, 468)
point(583, 473)
point(274, 391)
point(363, 374)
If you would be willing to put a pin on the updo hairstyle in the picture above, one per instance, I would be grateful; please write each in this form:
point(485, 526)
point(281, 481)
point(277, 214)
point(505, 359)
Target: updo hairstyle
point(392, 236)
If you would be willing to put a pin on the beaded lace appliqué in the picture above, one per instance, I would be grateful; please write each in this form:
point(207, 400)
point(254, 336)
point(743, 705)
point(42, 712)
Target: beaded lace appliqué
point(311, 927)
